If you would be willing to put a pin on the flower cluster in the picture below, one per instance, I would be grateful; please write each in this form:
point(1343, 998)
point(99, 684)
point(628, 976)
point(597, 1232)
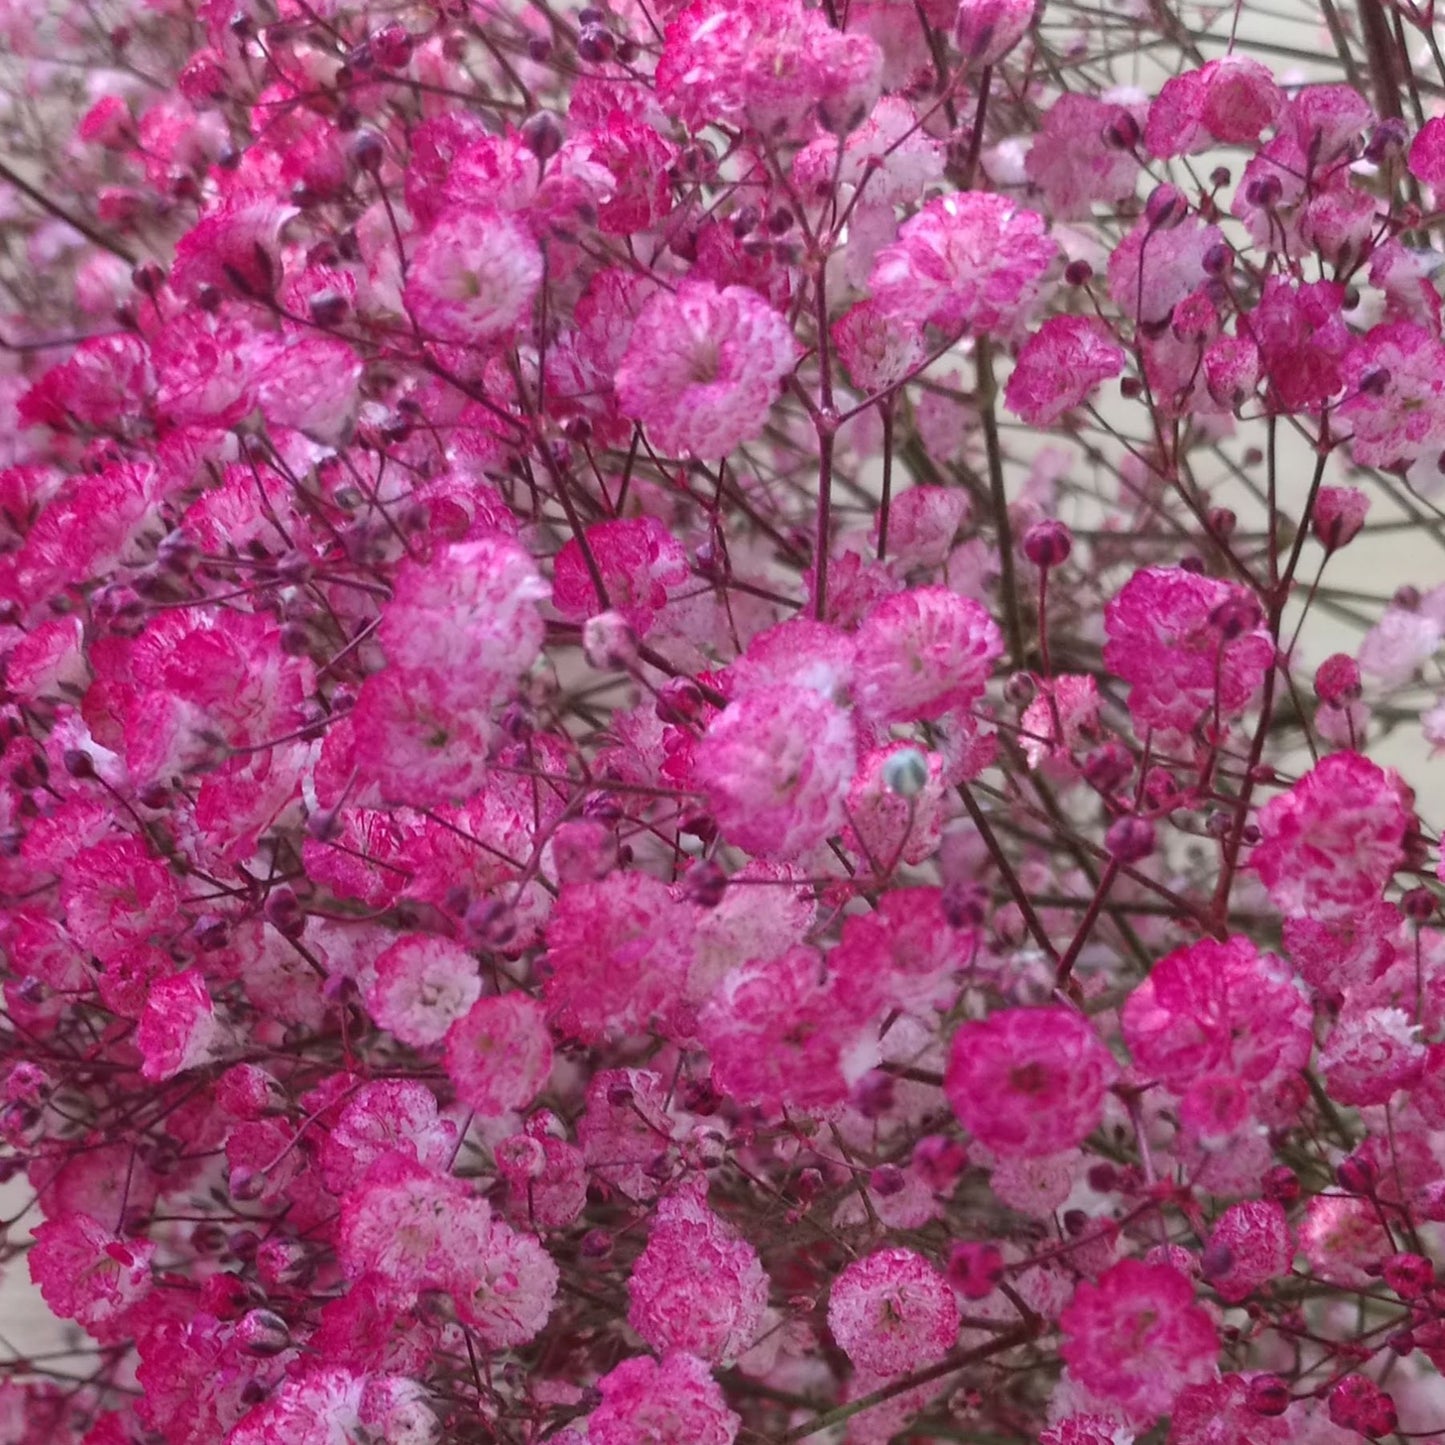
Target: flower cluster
point(699, 736)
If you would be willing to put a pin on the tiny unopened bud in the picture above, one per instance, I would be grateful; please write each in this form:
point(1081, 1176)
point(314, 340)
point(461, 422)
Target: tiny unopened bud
point(78, 763)
point(874, 1094)
point(704, 884)
point(1235, 617)
point(887, 1180)
point(1048, 543)
point(246, 1185)
point(905, 773)
point(1282, 1185)
point(1020, 689)
point(543, 135)
point(1165, 207)
point(1129, 839)
point(1357, 1175)
point(596, 44)
point(366, 150)
point(491, 923)
point(608, 642)
point(263, 1333)
point(284, 913)
point(1267, 1395)
point(1123, 132)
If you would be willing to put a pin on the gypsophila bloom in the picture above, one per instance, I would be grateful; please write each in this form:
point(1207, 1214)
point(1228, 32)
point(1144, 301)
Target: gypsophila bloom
point(1087, 1430)
point(674, 1401)
point(89, 1275)
point(696, 1287)
point(1136, 1338)
point(1184, 659)
point(499, 1053)
point(423, 986)
point(1370, 1055)
point(922, 653)
point(1059, 366)
point(703, 368)
point(781, 1034)
point(1249, 1246)
point(968, 262)
point(892, 1312)
point(1218, 1008)
point(686, 756)
point(1028, 1082)
point(1331, 843)
point(473, 277)
point(775, 766)
point(616, 954)
point(765, 64)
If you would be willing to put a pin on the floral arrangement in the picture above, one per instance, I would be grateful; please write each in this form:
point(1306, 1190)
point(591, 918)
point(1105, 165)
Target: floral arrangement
point(686, 758)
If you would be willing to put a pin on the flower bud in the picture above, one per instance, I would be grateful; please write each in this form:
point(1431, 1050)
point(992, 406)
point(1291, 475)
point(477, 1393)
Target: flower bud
point(1048, 544)
point(262, 1333)
point(1129, 839)
point(905, 773)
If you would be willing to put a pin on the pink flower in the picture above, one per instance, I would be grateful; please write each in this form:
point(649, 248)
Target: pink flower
point(424, 984)
point(1218, 1008)
point(472, 278)
point(907, 954)
point(388, 1116)
point(624, 1129)
point(406, 1224)
point(1067, 704)
point(178, 1027)
point(1136, 1338)
point(499, 1054)
point(923, 653)
point(674, 1401)
point(893, 1312)
point(891, 824)
point(330, 1402)
point(1087, 1430)
point(970, 261)
point(775, 767)
point(89, 1275)
point(1250, 1246)
point(617, 954)
point(1346, 951)
point(1060, 364)
point(703, 367)
point(1331, 843)
point(1370, 1055)
point(1152, 270)
point(1027, 1082)
point(986, 30)
point(764, 64)
point(778, 1033)
point(468, 615)
point(697, 1286)
point(234, 250)
point(416, 741)
point(1191, 648)
point(880, 348)
point(1396, 404)
point(1224, 1409)
point(1075, 160)
point(502, 1281)
point(641, 562)
point(1230, 99)
point(1341, 1238)
point(1427, 153)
